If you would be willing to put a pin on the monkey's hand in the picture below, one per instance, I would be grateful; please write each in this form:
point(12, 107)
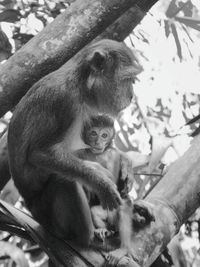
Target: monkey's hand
point(105, 188)
point(103, 233)
point(142, 214)
point(109, 195)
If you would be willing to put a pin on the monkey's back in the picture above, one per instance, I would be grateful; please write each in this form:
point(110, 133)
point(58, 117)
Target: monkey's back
point(36, 124)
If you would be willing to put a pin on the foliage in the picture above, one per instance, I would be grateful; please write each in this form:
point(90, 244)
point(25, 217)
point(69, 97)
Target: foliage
point(22, 19)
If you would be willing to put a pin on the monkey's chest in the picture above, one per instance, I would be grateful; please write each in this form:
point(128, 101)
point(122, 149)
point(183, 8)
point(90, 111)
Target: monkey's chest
point(72, 140)
point(111, 161)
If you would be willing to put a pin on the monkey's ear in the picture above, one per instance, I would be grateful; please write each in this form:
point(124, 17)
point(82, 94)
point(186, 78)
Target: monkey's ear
point(136, 69)
point(130, 72)
point(97, 61)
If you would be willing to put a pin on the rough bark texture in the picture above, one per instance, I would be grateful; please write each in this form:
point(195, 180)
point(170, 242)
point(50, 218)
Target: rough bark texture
point(123, 26)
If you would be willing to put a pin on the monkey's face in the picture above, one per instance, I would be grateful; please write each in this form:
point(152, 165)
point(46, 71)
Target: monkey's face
point(112, 68)
point(99, 139)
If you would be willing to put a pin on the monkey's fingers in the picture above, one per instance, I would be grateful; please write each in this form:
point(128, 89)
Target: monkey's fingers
point(103, 233)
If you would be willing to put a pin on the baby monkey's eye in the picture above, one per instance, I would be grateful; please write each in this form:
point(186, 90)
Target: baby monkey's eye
point(104, 135)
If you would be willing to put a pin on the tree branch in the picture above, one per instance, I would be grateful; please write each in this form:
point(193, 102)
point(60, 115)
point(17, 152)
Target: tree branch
point(64, 37)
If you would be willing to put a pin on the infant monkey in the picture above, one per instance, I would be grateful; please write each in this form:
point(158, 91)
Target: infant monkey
point(98, 133)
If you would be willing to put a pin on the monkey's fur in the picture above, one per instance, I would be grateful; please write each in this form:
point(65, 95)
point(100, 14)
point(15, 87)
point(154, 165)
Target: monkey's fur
point(99, 134)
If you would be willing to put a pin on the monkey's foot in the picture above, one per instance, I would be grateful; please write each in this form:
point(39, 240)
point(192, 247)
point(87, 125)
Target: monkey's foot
point(103, 233)
point(119, 258)
point(142, 214)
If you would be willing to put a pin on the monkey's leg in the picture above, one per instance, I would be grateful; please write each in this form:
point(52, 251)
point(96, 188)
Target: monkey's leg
point(65, 211)
point(72, 214)
point(100, 217)
point(89, 174)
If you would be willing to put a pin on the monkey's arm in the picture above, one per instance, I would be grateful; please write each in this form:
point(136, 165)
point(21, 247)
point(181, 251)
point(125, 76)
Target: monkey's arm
point(90, 174)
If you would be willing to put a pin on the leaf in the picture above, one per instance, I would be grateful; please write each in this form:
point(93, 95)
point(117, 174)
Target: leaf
point(189, 22)
point(15, 253)
point(187, 33)
point(10, 15)
point(196, 118)
point(186, 8)
point(175, 7)
point(194, 26)
point(196, 132)
point(172, 9)
point(167, 28)
point(176, 38)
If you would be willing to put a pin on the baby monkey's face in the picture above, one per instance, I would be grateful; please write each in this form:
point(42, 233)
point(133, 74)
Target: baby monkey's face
point(99, 138)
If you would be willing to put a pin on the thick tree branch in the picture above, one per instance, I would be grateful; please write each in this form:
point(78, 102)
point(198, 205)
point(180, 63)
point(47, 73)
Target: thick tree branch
point(63, 38)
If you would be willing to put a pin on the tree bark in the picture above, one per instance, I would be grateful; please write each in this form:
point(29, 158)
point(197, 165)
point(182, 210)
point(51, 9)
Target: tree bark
point(123, 26)
point(62, 39)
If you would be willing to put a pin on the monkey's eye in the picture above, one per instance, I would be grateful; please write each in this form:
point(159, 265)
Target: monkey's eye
point(104, 135)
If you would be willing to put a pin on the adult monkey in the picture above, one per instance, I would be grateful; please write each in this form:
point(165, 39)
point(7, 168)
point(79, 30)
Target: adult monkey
point(45, 132)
